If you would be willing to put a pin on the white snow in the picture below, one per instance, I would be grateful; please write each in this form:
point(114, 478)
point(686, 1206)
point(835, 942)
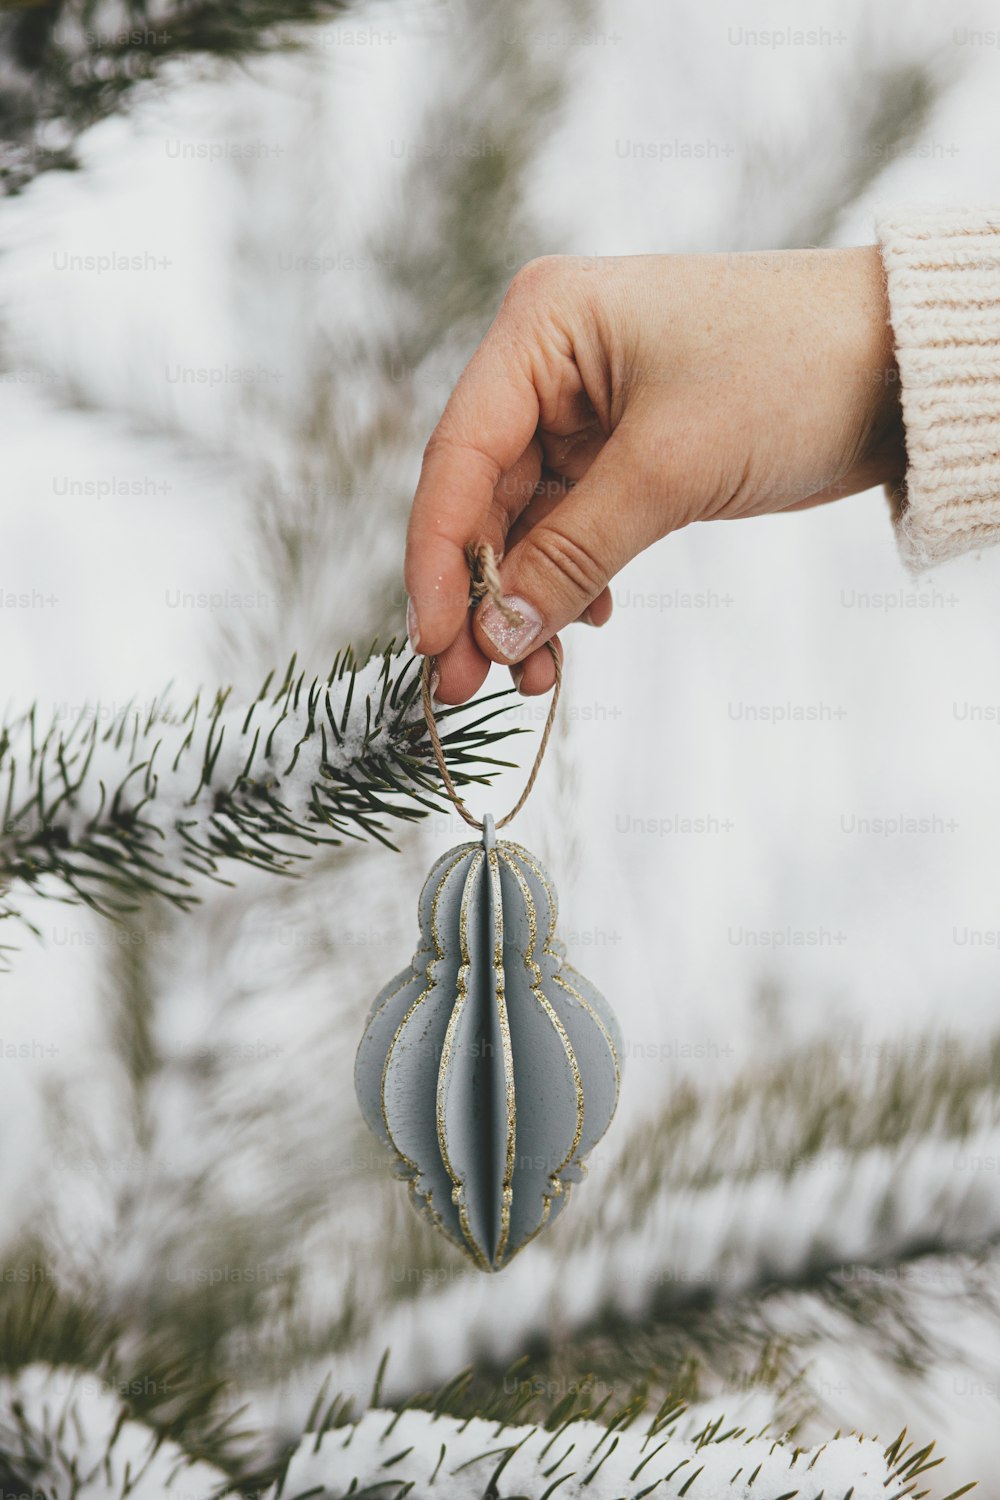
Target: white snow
point(592, 1463)
point(72, 1422)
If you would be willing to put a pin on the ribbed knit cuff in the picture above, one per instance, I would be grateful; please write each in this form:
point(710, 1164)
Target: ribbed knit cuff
point(943, 273)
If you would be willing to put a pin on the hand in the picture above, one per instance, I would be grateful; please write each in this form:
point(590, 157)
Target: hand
point(615, 400)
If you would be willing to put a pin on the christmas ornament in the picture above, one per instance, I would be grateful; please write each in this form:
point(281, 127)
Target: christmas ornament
point(490, 1066)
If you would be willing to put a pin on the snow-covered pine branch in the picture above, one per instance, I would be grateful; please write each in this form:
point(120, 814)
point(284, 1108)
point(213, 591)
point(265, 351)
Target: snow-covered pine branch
point(71, 1433)
point(63, 1431)
point(157, 797)
point(422, 1455)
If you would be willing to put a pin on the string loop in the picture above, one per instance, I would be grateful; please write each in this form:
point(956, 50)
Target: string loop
point(486, 580)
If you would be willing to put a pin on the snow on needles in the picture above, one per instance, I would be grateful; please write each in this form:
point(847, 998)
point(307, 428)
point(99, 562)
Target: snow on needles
point(156, 795)
point(428, 1456)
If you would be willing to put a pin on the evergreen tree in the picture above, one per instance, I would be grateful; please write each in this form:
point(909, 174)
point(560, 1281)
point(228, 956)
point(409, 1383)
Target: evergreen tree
point(712, 1312)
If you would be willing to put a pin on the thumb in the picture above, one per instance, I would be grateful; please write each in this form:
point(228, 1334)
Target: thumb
point(563, 563)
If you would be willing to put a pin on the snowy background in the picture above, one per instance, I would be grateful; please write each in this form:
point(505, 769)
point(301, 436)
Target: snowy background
point(208, 457)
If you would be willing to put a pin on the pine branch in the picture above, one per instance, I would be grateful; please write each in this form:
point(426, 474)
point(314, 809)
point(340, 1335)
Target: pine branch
point(105, 814)
point(71, 1434)
point(67, 1431)
point(75, 1372)
point(681, 1221)
point(422, 1454)
point(69, 63)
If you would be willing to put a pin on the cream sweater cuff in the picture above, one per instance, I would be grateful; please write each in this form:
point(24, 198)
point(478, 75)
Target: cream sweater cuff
point(943, 274)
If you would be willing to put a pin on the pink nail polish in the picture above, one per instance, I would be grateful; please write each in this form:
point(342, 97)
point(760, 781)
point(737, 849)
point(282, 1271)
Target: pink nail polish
point(510, 640)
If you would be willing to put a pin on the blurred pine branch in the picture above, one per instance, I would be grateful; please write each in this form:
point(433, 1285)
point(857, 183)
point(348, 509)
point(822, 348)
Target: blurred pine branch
point(69, 63)
point(454, 230)
point(621, 1455)
point(842, 1232)
point(92, 1412)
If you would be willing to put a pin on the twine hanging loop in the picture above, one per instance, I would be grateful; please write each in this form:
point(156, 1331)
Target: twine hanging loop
point(486, 582)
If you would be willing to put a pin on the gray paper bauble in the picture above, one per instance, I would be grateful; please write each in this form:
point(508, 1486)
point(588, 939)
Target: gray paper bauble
point(490, 1065)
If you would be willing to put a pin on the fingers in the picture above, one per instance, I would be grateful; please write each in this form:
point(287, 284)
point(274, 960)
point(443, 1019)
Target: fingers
point(515, 494)
point(537, 673)
point(462, 667)
point(571, 454)
point(599, 613)
point(559, 570)
point(485, 430)
point(550, 491)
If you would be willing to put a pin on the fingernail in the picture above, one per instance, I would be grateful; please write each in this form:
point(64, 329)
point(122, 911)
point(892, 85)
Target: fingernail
point(412, 629)
point(585, 617)
point(435, 679)
point(517, 673)
point(511, 640)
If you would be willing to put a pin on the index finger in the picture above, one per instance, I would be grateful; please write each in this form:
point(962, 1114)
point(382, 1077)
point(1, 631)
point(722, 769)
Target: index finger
point(488, 422)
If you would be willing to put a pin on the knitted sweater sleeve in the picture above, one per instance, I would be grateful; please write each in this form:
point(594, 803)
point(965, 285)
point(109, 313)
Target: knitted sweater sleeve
point(943, 276)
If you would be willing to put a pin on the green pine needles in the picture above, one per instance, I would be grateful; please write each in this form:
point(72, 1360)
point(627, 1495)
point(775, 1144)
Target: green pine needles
point(623, 1456)
point(105, 813)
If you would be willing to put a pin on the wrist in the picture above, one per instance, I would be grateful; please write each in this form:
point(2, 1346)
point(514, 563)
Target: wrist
point(882, 439)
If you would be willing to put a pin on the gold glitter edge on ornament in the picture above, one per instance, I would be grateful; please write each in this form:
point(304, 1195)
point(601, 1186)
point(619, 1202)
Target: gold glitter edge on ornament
point(408, 975)
point(564, 983)
point(527, 858)
point(546, 1209)
point(428, 986)
point(557, 1025)
point(500, 992)
point(564, 968)
point(461, 996)
point(415, 1195)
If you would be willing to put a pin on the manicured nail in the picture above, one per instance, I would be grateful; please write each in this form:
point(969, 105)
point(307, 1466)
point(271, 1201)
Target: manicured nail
point(511, 640)
point(435, 679)
point(517, 673)
point(412, 629)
